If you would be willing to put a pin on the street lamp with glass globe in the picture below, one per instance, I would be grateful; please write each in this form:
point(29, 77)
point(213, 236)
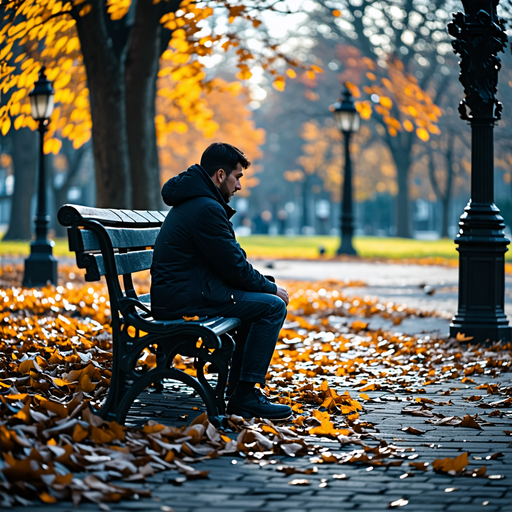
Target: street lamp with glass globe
point(41, 266)
point(348, 122)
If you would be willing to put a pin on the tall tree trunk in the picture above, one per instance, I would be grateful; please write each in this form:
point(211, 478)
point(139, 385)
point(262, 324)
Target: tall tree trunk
point(104, 61)
point(401, 147)
point(443, 197)
point(445, 216)
point(142, 64)
point(24, 159)
point(147, 42)
point(403, 203)
point(60, 194)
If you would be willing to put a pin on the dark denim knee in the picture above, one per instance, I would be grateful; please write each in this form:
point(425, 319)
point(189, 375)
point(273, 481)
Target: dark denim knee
point(279, 308)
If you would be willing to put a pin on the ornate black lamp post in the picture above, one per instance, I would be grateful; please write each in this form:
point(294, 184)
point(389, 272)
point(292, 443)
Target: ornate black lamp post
point(479, 36)
point(41, 266)
point(348, 121)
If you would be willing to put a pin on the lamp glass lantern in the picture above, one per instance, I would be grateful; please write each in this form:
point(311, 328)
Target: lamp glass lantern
point(345, 115)
point(41, 98)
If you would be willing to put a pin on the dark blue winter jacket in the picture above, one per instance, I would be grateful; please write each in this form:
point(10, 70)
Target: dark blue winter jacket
point(197, 262)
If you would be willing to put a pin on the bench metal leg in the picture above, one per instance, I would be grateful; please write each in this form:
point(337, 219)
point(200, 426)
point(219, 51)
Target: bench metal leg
point(127, 384)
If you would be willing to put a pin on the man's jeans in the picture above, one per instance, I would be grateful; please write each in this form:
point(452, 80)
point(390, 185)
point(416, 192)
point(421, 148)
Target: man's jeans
point(262, 316)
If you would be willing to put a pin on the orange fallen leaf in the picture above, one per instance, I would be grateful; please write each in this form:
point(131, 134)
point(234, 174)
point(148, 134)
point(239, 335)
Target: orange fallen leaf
point(456, 464)
point(469, 422)
point(358, 325)
point(191, 318)
point(480, 471)
point(462, 337)
point(47, 498)
point(422, 466)
point(369, 387)
point(412, 430)
point(80, 433)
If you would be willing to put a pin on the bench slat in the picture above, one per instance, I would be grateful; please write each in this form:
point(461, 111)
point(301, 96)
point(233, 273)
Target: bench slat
point(121, 239)
point(135, 261)
point(218, 325)
point(72, 214)
point(127, 263)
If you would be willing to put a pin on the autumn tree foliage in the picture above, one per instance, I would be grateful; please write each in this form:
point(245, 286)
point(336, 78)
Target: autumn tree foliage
point(322, 154)
point(105, 58)
point(399, 55)
point(226, 117)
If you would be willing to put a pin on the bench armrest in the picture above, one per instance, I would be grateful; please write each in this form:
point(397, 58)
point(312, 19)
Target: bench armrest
point(130, 301)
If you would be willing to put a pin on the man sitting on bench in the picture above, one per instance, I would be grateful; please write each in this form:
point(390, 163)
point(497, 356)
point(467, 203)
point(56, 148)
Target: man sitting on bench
point(200, 269)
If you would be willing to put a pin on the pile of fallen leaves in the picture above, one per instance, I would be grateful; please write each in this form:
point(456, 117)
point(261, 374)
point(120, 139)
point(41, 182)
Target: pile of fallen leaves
point(55, 360)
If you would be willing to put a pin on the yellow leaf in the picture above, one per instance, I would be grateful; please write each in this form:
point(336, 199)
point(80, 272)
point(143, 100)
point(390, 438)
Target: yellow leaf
point(386, 102)
point(408, 125)
point(26, 366)
point(422, 134)
point(85, 10)
point(100, 436)
point(80, 433)
point(55, 407)
point(6, 125)
point(190, 318)
point(86, 384)
point(24, 414)
point(279, 83)
point(47, 498)
point(364, 396)
point(358, 325)
point(291, 73)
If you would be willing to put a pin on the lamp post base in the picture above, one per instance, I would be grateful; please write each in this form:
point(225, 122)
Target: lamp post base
point(40, 266)
point(481, 333)
point(346, 247)
point(482, 246)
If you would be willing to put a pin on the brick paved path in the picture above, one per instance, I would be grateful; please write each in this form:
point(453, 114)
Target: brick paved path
point(234, 485)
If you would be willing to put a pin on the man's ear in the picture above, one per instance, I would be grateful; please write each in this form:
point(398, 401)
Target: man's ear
point(221, 175)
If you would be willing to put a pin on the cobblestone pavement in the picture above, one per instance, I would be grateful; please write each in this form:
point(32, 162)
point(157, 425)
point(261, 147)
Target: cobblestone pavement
point(235, 485)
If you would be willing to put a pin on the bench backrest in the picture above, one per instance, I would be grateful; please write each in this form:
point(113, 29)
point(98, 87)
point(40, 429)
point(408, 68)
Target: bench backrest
point(111, 243)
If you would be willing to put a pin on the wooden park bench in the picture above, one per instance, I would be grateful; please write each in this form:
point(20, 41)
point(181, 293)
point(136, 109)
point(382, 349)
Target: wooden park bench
point(115, 243)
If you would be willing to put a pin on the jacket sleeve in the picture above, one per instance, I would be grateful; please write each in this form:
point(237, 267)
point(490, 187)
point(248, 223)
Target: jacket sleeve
point(214, 239)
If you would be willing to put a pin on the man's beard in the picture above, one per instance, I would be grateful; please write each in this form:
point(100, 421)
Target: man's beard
point(224, 192)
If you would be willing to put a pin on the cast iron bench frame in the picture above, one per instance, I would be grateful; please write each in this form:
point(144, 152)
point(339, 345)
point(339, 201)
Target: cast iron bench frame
point(115, 243)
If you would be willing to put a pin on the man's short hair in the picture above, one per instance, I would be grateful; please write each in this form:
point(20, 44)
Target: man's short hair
point(220, 155)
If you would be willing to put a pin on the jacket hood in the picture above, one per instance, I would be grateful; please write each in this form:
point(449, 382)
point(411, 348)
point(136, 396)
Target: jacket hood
point(192, 183)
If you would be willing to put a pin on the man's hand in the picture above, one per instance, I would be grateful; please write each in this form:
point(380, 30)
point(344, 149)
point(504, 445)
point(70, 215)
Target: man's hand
point(283, 294)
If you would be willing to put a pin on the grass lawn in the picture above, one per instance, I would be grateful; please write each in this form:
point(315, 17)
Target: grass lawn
point(23, 248)
point(367, 247)
point(274, 247)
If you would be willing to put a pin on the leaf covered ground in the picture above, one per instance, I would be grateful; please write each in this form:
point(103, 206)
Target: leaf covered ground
point(55, 359)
